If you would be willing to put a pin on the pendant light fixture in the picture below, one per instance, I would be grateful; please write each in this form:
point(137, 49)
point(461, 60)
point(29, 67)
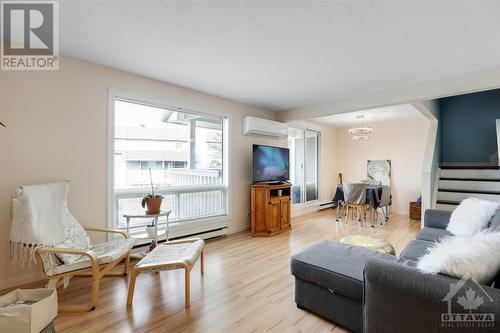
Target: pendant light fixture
point(360, 137)
point(360, 130)
point(360, 133)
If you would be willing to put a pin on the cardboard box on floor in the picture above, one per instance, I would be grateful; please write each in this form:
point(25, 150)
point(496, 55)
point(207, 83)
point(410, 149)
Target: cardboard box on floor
point(27, 310)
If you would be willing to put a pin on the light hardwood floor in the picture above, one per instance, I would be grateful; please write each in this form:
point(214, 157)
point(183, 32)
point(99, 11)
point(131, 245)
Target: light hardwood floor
point(247, 285)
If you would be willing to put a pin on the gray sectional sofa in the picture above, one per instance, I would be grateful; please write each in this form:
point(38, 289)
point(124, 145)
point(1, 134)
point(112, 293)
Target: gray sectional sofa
point(368, 291)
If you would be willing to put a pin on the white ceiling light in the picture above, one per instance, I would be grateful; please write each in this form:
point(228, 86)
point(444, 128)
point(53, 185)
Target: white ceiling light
point(360, 130)
point(360, 137)
point(360, 133)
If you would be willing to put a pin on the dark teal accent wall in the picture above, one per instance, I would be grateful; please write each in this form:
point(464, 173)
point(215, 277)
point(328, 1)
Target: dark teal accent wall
point(468, 126)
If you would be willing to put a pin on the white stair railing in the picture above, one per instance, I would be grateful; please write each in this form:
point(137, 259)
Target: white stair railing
point(498, 140)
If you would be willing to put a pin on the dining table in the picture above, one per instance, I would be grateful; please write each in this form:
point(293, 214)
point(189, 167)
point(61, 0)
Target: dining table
point(373, 195)
point(373, 198)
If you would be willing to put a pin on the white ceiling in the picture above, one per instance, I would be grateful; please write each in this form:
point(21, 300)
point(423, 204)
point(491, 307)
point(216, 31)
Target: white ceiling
point(370, 116)
point(284, 54)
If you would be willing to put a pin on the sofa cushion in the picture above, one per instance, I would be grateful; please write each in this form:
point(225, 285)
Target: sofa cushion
point(432, 234)
point(436, 218)
point(416, 249)
point(407, 262)
point(335, 266)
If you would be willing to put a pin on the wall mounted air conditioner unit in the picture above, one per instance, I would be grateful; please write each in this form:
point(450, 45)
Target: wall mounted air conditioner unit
point(264, 127)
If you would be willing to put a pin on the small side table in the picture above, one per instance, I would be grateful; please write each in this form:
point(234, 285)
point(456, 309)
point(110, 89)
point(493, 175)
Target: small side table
point(415, 210)
point(155, 217)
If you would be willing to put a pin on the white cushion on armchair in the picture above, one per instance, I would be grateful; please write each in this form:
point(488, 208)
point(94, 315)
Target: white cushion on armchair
point(106, 252)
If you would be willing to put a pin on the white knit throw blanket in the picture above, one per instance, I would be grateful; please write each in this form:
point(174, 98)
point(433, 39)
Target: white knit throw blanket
point(37, 219)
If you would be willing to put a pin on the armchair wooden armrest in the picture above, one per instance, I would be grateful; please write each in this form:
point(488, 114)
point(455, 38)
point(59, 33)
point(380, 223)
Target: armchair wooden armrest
point(111, 231)
point(94, 259)
point(96, 273)
point(180, 241)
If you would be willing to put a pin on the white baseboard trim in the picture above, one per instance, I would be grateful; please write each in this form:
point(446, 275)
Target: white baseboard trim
point(238, 228)
point(20, 280)
point(298, 211)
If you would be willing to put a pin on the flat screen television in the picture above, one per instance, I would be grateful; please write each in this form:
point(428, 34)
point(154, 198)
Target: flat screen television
point(270, 164)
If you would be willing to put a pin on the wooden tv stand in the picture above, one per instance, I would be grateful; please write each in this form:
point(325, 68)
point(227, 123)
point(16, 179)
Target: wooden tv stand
point(271, 213)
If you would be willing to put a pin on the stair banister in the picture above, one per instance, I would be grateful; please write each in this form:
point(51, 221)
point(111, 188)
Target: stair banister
point(498, 140)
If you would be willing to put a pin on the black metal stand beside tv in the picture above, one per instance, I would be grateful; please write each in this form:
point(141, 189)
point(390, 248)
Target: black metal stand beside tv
point(271, 208)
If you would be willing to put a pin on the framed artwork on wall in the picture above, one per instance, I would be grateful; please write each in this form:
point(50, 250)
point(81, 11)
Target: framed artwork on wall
point(379, 171)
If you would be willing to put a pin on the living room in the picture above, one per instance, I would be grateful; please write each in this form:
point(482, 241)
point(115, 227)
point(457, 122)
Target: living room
point(222, 156)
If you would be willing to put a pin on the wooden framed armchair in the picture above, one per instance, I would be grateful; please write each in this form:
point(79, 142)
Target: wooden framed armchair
point(95, 263)
point(75, 255)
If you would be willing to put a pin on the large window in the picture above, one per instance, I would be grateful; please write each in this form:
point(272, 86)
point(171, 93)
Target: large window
point(304, 161)
point(185, 153)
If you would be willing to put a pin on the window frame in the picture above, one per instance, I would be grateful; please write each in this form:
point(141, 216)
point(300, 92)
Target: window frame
point(303, 173)
point(211, 222)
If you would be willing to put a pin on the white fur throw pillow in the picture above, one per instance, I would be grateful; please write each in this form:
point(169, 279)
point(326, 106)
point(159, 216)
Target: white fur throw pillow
point(471, 216)
point(459, 256)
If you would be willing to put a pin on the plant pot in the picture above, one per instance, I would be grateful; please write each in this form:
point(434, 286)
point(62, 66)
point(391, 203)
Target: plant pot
point(150, 231)
point(153, 205)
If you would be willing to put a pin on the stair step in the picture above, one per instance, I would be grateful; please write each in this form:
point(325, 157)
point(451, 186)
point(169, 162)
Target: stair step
point(451, 195)
point(466, 166)
point(448, 208)
point(469, 191)
point(471, 179)
point(470, 174)
point(448, 202)
point(469, 186)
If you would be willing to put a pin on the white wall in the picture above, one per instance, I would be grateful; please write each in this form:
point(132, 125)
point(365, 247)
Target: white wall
point(57, 124)
point(402, 142)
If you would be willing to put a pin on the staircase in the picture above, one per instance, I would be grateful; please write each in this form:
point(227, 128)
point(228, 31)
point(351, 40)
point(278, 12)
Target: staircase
point(458, 182)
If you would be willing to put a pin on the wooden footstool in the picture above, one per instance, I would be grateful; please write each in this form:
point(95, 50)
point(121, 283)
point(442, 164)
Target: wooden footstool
point(171, 255)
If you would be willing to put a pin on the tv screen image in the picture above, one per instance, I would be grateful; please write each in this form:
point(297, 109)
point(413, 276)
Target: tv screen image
point(270, 164)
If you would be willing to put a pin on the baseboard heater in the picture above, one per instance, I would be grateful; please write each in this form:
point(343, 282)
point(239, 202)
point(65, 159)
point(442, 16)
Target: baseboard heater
point(327, 205)
point(209, 234)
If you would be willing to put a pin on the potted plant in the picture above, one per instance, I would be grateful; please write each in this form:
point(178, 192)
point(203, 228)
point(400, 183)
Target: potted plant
point(151, 201)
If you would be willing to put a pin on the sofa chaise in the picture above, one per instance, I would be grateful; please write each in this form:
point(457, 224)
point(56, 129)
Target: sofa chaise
point(368, 291)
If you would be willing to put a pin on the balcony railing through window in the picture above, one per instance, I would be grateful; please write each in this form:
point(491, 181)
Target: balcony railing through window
point(185, 153)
